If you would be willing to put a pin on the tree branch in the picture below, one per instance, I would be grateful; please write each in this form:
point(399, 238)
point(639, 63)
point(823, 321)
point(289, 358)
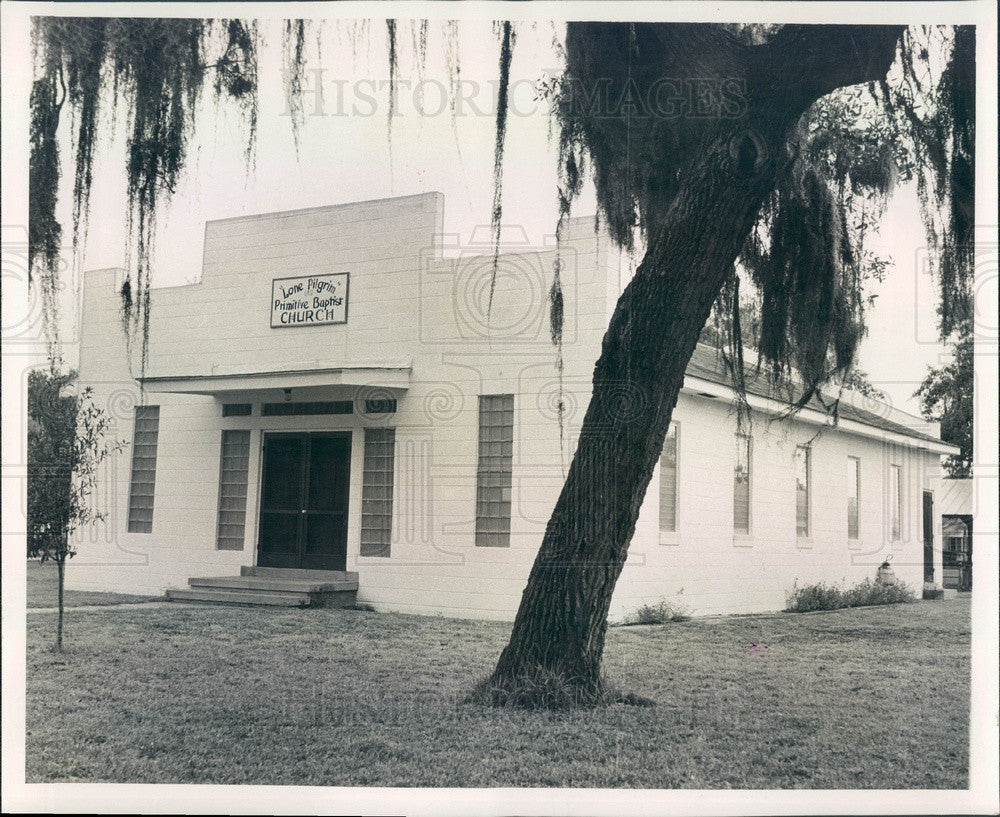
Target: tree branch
point(801, 63)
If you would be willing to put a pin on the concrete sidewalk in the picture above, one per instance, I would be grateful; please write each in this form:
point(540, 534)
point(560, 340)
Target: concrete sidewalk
point(141, 605)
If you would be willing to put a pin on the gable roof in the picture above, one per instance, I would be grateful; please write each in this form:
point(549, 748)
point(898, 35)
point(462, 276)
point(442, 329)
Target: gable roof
point(707, 364)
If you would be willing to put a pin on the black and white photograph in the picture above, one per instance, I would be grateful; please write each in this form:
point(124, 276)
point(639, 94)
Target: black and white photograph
point(500, 408)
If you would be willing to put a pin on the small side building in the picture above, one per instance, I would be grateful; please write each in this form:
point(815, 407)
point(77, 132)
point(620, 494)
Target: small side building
point(956, 511)
point(345, 390)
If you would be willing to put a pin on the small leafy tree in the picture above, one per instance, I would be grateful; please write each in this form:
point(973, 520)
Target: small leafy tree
point(859, 381)
point(66, 445)
point(946, 397)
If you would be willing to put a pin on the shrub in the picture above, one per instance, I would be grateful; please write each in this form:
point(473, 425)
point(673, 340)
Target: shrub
point(822, 596)
point(663, 612)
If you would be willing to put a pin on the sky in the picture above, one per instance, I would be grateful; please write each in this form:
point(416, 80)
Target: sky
point(346, 154)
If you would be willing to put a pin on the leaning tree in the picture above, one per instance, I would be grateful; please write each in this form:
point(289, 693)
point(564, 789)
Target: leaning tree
point(711, 147)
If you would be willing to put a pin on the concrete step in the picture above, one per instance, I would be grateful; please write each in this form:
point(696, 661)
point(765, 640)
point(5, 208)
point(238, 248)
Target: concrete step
point(280, 584)
point(274, 587)
point(251, 597)
point(297, 574)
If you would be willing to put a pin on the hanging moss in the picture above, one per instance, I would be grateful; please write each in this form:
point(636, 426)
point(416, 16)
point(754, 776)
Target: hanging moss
point(358, 33)
point(934, 124)
point(603, 107)
point(293, 63)
point(48, 95)
point(505, 32)
point(85, 82)
point(807, 256)
point(809, 319)
point(418, 33)
point(157, 69)
point(453, 66)
point(390, 31)
point(958, 85)
point(126, 309)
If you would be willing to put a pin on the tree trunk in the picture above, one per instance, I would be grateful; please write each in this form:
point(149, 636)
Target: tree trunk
point(561, 623)
point(558, 634)
point(61, 568)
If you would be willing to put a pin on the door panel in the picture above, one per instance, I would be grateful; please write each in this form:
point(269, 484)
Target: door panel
point(283, 460)
point(928, 525)
point(281, 500)
point(280, 531)
point(328, 481)
point(329, 473)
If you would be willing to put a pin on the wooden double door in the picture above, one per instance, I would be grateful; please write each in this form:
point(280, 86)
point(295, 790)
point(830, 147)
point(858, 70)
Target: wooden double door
point(305, 490)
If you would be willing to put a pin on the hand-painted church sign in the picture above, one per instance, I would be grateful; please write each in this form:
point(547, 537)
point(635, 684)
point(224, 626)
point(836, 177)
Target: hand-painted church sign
point(312, 300)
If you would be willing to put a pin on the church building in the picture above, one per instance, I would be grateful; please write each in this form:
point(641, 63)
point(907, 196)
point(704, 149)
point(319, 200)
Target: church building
point(344, 409)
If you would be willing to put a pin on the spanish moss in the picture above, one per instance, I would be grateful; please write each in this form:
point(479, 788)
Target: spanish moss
point(807, 257)
point(505, 31)
point(453, 68)
point(637, 154)
point(569, 175)
point(937, 120)
point(293, 63)
point(48, 95)
point(157, 69)
point(390, 31)
point(418, 33)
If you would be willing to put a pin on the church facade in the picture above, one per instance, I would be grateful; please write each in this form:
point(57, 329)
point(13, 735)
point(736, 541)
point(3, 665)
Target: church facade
point(345, 390)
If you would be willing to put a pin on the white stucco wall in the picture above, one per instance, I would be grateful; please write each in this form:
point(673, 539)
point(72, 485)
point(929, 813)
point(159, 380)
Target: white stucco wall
point(706, 568)
point(409, 304)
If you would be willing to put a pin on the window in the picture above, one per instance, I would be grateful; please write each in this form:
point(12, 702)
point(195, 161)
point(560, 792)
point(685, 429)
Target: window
point(381, 405)
point(376, 491)
point(236, 409)
point(895, 503)
point(955, 551)
point(741, 486)
point(143, 483)
point(802, 464)
point(668, 481)
point(233, 469)
point(853, 494)
point(493, 474)
point(298, 409)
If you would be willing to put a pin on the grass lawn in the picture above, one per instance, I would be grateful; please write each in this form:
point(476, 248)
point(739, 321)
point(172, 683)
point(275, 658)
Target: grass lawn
point(861, 698)
point(43, 590)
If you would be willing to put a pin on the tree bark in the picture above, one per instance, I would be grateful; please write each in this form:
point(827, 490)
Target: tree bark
point(560, 626)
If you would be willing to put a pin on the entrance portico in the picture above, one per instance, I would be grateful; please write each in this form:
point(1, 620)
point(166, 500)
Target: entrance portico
point(301, 426)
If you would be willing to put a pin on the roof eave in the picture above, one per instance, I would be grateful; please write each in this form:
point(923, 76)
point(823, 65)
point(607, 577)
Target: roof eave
point(711, 389)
